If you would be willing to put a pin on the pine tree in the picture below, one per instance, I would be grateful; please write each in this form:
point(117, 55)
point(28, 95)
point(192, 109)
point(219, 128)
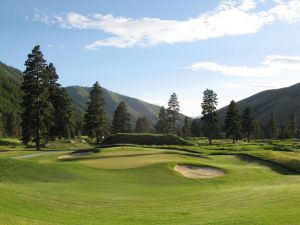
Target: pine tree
point(13, 125)
point(195, 128)
point(273, 130)
point(258, 132)
point(64, 115)
point(121, 120)
point(139, 128)
point(232, 122)
point(173, 113)
point(162, 125)
point(186, 129)
point(141, 125)
point(146, 126)
point(292, 126)
point(37, 110)
point(209, 116)
point(95, 121)
point(248, 123)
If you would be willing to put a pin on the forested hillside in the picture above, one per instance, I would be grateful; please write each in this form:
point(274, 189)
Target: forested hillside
point(281, 102)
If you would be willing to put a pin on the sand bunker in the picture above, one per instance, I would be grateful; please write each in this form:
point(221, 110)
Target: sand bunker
point(73, 155)
point(198, 172)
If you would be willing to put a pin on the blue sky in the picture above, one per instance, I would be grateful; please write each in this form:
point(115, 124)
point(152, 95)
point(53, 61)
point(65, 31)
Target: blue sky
point(149, 49)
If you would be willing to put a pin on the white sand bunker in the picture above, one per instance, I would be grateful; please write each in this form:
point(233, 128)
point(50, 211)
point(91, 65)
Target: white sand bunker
point(198, 172)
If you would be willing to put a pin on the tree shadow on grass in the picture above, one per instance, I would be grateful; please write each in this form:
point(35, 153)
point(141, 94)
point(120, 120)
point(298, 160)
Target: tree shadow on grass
point(78, 158)
point(276, 167)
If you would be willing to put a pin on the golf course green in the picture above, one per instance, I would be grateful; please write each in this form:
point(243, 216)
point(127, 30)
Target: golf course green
point(138, 185)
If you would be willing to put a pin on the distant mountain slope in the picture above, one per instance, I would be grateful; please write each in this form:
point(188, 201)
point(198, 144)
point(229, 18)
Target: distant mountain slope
point(281, 101)
point(135, 106)
point(10, 95)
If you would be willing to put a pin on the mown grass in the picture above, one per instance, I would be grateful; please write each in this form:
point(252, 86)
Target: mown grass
point(137, 185)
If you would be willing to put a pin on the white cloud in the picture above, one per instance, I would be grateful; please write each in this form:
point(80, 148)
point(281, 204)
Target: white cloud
point(228, 19)
point(272, 65)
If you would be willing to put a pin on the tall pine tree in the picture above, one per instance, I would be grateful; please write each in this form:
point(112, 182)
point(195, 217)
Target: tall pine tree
point(162, 125)
point(232, 122)
point(141, 125)
point(37, 109)
point(248, 123)
point(121, 120)
point(195, 128)
point(173, 113)
point(186, 129)
point(292, 126)
point(209, 116)
point(272, 129)
point(95, 118)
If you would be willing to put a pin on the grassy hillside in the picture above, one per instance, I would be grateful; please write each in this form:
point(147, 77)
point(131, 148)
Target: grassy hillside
point(10, 97)
point(280, 101)
point(135, 106)
point(137, 185)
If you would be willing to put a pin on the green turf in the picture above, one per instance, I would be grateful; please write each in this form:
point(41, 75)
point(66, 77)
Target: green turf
point(136, 185)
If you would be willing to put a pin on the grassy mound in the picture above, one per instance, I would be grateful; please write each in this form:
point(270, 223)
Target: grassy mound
point(144, 139)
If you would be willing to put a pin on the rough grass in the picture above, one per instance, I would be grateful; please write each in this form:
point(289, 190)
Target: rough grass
point(44, 190)
point(144, 139)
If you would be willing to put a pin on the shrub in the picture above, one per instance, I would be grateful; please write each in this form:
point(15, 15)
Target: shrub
point(144, 139)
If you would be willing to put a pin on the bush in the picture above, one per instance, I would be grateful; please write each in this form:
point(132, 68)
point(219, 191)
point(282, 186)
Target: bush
point(144, 139)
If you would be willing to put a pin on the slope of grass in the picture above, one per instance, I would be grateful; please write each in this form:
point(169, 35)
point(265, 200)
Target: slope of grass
point(144, 139)
point(139, 192)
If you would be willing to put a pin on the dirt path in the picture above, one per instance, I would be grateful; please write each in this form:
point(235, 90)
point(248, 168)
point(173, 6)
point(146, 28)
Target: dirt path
point(34, 154)
point(198, 172)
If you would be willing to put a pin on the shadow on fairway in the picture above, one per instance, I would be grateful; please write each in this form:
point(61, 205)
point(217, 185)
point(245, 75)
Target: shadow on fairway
point(131, 155)
point(272, 165)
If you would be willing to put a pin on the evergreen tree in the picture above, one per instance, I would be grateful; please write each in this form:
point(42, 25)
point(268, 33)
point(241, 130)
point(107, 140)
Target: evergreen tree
point(141, 125)
point(37, 110)
point(209, 116)
point(64, 115)
point(162, 125)
point(273, 130)
point(13, 125)
point(232, 122)
point(258, 132)
point(186, 129)
point(195, 128)
point(173, 113)
point(121, 120)
point(2, 126)
point(292, 126)
point(146, 126)
point(248, 123)
point(95, 121)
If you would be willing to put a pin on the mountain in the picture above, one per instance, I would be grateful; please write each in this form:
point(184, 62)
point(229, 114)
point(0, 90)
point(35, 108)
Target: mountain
point(10, 97)
point(281, 102)
point(135, 106)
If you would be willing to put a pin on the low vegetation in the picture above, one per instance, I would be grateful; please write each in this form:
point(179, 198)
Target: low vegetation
point(144, 139)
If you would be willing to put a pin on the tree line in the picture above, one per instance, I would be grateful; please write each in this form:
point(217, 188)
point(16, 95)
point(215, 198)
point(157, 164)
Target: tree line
point(48, 113)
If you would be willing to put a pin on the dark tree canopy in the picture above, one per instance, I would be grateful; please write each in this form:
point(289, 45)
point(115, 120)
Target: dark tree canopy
point(195, 128)
point(37, 109)
point(272, 129)
point(162, 125)
point(209, 116)
point(95, 118)
point(186, 129)
point(173, 114)
point(232, 122)
point(121, 120)
point(142, 125)
point(292, 126)
point(248, 123)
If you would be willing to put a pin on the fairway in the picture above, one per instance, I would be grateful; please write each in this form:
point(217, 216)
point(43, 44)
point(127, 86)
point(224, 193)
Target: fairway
point(136, 185)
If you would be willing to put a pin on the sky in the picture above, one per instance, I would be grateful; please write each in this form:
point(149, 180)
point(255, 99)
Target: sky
point(150, 49)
